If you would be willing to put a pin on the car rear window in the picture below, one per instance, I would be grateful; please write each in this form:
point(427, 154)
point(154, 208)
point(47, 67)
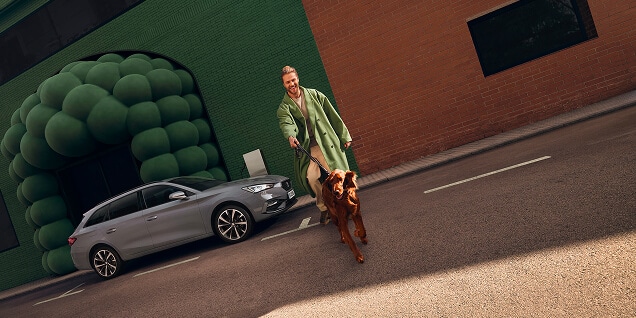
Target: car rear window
point(98, 216)
point(200, 184)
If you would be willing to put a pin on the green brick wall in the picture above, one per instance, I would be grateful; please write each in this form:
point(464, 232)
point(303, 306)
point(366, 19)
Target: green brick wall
point(235, 50)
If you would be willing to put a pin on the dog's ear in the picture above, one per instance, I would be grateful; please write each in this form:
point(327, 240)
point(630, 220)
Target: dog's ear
point(350, 180)
point(329, 178)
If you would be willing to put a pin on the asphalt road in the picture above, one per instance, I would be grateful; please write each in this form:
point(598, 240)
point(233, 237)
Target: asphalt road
point(544, 227)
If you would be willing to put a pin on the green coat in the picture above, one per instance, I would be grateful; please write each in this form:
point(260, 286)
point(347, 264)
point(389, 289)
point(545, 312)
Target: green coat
point(329, 130)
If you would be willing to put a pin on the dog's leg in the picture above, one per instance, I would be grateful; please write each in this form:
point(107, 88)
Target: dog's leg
point(360, 231)
point(346, 236)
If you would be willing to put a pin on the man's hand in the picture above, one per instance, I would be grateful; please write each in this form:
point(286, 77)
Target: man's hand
point(293, 141)
point(347, 144)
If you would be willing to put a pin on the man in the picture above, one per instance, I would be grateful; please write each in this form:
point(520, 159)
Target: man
point(306, 117)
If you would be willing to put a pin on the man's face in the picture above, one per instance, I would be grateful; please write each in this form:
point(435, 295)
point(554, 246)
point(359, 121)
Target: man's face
point(290, 81)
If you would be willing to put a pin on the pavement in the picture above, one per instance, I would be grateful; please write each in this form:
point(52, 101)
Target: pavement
point(594, 110)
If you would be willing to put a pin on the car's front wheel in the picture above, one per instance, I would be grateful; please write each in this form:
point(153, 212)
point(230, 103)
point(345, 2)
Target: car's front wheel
point(232, 224)
point(106, 262)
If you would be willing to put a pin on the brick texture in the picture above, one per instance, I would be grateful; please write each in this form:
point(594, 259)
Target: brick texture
point(409, 84)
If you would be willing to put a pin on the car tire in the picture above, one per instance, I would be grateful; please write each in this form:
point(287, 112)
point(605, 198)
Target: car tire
point(232, 224)
point(106, 262)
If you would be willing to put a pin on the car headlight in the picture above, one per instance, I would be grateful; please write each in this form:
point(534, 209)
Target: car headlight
point(258, 187)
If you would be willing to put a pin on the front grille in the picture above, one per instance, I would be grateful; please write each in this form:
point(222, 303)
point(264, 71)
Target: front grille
point(286, 185)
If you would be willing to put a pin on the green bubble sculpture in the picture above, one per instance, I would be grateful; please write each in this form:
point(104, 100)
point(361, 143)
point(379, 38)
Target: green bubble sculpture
point(148, 102)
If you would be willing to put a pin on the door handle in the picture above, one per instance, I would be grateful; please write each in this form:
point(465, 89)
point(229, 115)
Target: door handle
point(111, 231)
point(152, 218)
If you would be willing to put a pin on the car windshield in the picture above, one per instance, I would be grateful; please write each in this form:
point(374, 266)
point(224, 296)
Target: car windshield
point(200, 184)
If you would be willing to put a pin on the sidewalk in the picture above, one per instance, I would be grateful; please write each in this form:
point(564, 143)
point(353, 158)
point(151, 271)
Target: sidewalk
point(613, 104)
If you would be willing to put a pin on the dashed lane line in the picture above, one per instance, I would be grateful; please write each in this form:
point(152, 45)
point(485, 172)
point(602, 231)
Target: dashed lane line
point(488, 174)
point(303, 225)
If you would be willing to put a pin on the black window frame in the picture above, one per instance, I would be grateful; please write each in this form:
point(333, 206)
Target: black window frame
point(499, 47)
point(8, 238)
point(52, 27)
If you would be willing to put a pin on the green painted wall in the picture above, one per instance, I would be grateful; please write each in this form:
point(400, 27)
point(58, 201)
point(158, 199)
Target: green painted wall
point(235, 50)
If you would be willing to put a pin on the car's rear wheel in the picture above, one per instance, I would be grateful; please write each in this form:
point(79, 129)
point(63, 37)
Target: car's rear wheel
point(106, 262)
point(232, 224)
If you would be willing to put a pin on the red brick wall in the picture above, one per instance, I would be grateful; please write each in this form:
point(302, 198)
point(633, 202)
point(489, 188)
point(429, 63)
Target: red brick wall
point(408, 82)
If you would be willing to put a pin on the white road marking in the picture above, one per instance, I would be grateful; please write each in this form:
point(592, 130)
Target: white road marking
point(488, 174)
point(303, 225)
point(168, 266)
point(68, 293)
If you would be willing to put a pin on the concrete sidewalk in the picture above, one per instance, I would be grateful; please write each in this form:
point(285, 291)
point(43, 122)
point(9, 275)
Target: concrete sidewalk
point(613, 104)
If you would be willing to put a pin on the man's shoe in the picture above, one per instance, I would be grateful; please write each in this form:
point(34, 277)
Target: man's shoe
point(324, 217)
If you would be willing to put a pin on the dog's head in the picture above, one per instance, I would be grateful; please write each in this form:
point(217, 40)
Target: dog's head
point(340, 182)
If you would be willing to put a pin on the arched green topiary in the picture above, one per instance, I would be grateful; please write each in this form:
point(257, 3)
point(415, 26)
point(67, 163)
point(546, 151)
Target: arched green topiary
point(205, 134)
point(80, 100)
point(29, 220)
point(173, 108)
point(212, 154)
point(159, 168)
point(218, 173)
point(15, 117)
point(107, 121)
point(37, 119)
point(22, 168)
point(143, 116)
point(59, 262)
point(104, 75)
point(48, 210)
point(39, 154)
point(164, 83)
point(134, 66)
point(182, 134)
point(21, 196)
point(159, 63)
point(54, 235)
point(14, 176)
point(204, 174)
point(54, 89)
point(132, 89)
point(13, 136)
point(196, 106)
point(187, 82)
point(27, 105)
point(191, 160)
point(45, 263)
point(90, 104)
point(39, 186)
point(111, 58)
point(69, 136)
point(81, 69)
point(150, 143)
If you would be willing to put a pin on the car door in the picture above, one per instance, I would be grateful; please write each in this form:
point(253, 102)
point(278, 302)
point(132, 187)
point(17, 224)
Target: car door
point(125, 227)
point(171, 221)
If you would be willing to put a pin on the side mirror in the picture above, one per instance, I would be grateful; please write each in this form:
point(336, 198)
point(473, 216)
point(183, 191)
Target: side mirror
point(179, 195)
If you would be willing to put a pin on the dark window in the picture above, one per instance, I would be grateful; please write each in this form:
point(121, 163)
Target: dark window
point(98, 216)
point(529, 29)
point(51, 28)
point(8, 239)
point(123, 206)
point(157, 195)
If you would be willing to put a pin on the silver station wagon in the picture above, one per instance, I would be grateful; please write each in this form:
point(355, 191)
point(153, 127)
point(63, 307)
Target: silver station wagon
point(164, 214)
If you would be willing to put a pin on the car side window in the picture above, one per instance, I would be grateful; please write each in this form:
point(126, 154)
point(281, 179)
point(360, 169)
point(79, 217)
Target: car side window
point(124, 206)
point(157, 195)
point(98, 216)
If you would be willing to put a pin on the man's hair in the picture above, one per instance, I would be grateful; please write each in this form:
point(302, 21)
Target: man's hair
point(287, 70)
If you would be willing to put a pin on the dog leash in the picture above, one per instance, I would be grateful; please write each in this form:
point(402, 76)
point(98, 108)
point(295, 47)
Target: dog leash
point(324, 173)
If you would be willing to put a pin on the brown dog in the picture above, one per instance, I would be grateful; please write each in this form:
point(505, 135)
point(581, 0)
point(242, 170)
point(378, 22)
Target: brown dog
point(339, 194)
